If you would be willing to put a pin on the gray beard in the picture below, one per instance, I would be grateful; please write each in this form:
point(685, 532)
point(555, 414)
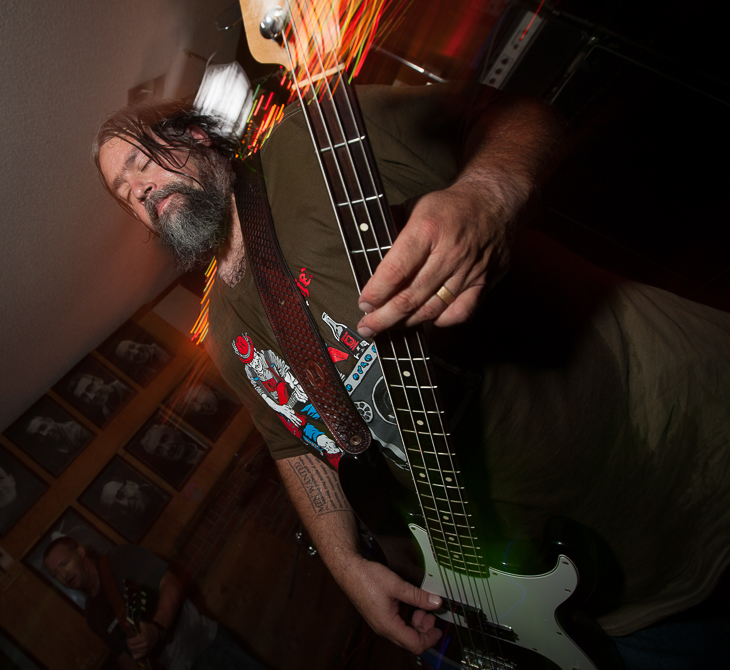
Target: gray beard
point(197, 219)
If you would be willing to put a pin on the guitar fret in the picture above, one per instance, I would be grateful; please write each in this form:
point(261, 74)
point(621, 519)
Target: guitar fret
point(359, 201)
point(339, 145)
point(365, 251)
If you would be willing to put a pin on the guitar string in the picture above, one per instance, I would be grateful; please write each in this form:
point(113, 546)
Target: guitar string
point(476, 597)
point(433, 436)
point(473, 585)
point(315, 102)
point(482, 577)
point(373, 230)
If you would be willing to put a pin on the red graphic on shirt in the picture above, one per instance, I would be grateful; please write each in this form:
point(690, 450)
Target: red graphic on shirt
point(244, 348)
point(337, 355)
point(303, 281)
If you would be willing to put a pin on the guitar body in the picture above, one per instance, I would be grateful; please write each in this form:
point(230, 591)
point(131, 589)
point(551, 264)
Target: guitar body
point(530, 623)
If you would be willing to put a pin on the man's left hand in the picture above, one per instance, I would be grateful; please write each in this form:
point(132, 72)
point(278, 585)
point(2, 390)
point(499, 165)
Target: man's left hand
point(457, 238)
point(144, 643)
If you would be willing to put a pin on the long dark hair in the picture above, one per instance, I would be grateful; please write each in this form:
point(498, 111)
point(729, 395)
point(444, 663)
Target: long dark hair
point(159, 131)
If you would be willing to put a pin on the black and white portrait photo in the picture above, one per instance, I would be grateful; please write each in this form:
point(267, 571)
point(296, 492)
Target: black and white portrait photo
point(95, 391)
point(50, 435)
point(136, 353)
point(125, 499)
point(204, 405)
point(168, 449)
point(19, 490)
point(70, 524)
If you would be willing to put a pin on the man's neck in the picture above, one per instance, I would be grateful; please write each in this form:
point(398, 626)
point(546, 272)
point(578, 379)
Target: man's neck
point(230, 255)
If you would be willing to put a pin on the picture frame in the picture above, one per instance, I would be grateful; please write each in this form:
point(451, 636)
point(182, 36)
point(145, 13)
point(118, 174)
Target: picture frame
point(136, 353)
point(167, 448)
point(73, 524)
point(204, 405)
point(127, 500)
point(94, 391)
point(20, 489)
point(49, 435)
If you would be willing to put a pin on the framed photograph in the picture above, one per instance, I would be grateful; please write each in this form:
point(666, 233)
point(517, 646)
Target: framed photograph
point(136, 353)
point(95, 391)
point(73, 525)
point(13, 656)
point(20, 488)
point(168, 449)
point(128, 501)
point(204, 405)
point(50, 435)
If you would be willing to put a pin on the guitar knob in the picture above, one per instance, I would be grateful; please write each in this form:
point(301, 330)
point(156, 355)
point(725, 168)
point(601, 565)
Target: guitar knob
point(273, 22)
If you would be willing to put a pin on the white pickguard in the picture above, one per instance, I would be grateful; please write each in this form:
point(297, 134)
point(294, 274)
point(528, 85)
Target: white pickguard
point(525, 604)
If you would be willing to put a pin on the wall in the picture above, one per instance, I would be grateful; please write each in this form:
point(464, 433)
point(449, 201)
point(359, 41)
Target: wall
point(73, 266)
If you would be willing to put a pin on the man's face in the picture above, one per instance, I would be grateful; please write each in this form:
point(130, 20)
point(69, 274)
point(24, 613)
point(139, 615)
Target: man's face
point(124, 496)
point(7, 488)
point(165, 442)
point(133, 352)
point(68, 567)
point(45, 427)
point(190, 211)
point(92, 390)
point(201, 400)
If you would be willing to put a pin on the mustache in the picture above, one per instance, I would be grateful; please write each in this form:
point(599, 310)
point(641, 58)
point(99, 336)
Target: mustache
point(155, 198)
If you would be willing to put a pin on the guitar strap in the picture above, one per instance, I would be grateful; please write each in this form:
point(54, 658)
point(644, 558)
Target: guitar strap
point(113, 595)
point(290, 319)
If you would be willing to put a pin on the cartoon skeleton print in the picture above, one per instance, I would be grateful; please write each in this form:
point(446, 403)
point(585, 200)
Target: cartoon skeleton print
point(274, 382)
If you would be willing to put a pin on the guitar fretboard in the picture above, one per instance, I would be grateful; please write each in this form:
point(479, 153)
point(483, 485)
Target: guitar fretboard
point(359, 202)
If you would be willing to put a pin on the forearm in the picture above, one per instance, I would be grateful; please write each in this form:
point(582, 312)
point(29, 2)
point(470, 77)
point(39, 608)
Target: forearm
point(171, 598)
point(511, 149)
point(375, 590)
point(320, 502)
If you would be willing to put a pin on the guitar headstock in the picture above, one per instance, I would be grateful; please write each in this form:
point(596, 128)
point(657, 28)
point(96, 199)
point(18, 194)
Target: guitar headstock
point(139, 602)
point(314, 38)
point(299, 35)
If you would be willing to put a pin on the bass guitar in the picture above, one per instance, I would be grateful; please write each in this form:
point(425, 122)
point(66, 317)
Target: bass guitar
point(502, 619)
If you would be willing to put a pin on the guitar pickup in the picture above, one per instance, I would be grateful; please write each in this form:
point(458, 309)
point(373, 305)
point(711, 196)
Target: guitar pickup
point(473, 618)
point(480, 661)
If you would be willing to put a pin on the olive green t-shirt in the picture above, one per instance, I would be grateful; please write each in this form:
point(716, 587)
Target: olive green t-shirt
point(578, 394)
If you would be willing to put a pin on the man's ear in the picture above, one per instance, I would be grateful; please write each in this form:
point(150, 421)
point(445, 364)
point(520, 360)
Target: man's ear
point(81, 551)
point(199, 135)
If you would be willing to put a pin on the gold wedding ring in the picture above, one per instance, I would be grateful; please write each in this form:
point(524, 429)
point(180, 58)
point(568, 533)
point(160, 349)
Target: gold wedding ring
point(447, 296)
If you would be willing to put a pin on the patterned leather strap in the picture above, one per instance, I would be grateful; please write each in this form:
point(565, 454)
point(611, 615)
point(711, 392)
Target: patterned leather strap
point(290, 319)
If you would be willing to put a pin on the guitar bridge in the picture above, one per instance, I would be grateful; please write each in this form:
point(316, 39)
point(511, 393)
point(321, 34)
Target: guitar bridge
point(474, 619)
point(478, 661)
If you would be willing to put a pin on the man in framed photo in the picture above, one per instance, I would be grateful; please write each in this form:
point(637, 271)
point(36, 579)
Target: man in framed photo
point(173, 632)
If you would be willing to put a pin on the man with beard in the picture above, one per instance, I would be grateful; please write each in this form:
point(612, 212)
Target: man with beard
point(582, 395)
point(128, 498)
point(92, 390)
point(169, 444)
point(176, 635)
point(141, 361)
point(65, 436)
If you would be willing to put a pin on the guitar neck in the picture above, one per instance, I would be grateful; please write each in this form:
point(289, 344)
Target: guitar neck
point(361, 208)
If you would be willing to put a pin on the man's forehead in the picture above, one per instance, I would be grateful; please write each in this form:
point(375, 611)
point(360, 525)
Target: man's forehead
point(59, 553)
point(116, 157)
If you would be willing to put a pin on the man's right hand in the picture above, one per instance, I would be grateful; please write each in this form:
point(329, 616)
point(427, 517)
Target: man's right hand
point(377, 592)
